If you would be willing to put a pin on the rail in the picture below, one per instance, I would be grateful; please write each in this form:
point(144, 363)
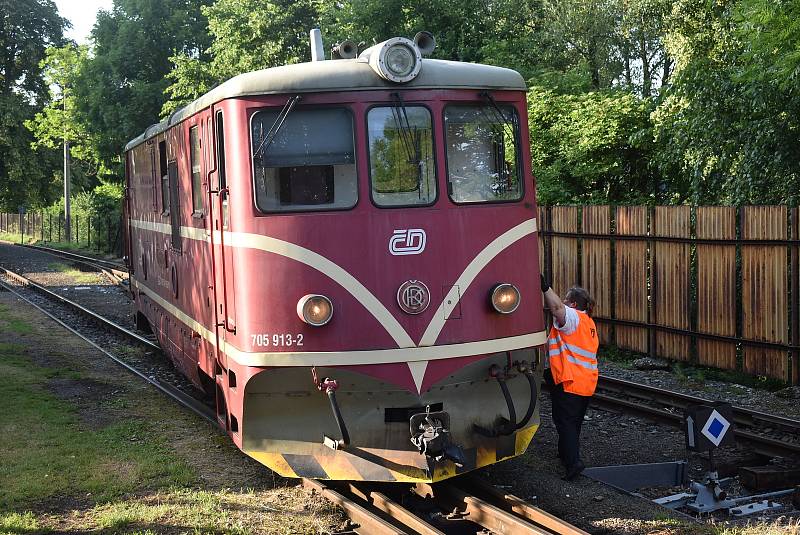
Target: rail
point(165, 388)
point(612, 394)
point(460, 505)
point(116, 272)
point(105, 322)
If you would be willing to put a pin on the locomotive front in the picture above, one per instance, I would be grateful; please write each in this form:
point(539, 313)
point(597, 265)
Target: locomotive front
point(377, 290)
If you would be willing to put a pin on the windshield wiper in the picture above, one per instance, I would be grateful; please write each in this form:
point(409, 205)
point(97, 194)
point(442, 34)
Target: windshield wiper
point(499, 114)
point(410, 137)
point(261, 151)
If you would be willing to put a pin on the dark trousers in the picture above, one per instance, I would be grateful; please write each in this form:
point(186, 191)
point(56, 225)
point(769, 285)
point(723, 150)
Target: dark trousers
point(568, 412)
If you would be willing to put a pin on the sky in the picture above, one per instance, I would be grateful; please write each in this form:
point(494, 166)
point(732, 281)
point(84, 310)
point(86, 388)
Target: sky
point(82, 14)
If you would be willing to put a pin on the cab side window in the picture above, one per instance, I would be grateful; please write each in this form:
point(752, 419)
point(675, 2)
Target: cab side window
point(306, 163)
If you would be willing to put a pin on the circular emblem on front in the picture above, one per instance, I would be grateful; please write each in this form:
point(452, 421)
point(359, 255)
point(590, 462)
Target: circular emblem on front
point(413, 297)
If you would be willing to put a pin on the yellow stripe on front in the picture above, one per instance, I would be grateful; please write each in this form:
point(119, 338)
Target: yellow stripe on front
point(273, 461)
point(523, 438)
point(338, 467)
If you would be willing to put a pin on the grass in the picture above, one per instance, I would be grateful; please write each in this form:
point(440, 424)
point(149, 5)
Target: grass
point(83, 452)
point(46, 453)
point(77, 275)
point(16, 523)
point(15, 237)
point(76, 247)
point(791, 527)
point(12, 323)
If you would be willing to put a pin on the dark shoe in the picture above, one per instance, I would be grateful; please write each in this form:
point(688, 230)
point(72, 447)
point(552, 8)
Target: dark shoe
point(574, 471)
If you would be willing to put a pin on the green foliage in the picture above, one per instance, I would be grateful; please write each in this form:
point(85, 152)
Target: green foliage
point(590, 148)
point(462, 28)
point(27, 28)
point(120, 91)
point(248, 35)
point(729, 123)
point(26, 174)
point(656, 101)
point(58, 121)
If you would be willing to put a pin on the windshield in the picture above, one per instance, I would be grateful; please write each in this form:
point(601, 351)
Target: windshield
point(309, 164)
point(401, 156)
point(482, 153)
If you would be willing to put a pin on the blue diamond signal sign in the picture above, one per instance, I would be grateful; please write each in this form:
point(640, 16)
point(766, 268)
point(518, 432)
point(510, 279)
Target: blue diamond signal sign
point(716, 427)
point(708, 426)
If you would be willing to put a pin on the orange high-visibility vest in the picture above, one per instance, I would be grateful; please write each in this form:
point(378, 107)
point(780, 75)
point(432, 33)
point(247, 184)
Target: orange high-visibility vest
point(573, 357)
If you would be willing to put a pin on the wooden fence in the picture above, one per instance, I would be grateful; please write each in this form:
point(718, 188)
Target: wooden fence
point(713, 285)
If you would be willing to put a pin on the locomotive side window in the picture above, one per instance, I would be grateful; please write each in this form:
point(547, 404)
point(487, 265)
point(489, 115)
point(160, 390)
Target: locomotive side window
point(197, 183)
point(220, 131)
point(482, 153)
point(305, 162)
point(174, 214)
point(402, 167)
point(162, 164)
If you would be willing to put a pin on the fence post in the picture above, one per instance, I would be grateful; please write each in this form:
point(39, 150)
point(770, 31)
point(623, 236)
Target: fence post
point(794, 274)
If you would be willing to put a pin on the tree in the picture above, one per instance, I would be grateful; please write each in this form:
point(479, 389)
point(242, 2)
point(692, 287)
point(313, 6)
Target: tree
point(120, 90)
point(591, 148)
point(587, 29)
point(730, 119)
point(247, 35)
point(58, 121)
point(462, 28)
point(27, 28)
point(646, 63)
point(257, 34)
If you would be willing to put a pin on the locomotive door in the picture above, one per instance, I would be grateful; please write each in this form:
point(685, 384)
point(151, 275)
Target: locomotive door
point(224, 295)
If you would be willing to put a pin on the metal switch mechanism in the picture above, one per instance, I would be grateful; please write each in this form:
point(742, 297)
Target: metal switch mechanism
point(430, 433)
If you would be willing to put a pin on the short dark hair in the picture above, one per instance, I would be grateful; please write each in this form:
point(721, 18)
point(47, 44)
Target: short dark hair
point(583, 301)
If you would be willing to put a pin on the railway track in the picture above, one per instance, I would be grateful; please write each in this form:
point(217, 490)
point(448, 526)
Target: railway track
point(763, 433)
point(116, 272)
point(466, 506)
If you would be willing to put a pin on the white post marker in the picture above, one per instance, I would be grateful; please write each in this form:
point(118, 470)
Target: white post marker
point(690, 430)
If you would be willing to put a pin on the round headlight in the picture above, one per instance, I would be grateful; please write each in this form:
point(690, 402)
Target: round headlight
point(399, 60)
point(316, 310)
point(505, 298)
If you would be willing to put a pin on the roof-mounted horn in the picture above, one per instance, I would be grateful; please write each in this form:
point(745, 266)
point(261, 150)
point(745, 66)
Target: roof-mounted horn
point(425, 42)
point(347, 49)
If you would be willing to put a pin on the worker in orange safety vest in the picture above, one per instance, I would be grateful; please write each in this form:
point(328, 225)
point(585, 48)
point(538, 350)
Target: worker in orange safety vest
point(572, 371)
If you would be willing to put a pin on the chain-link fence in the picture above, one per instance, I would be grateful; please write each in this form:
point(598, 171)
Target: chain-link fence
point(101, 233)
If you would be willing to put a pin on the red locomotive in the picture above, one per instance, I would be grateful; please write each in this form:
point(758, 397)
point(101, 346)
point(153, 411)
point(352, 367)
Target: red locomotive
point(344, 253)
